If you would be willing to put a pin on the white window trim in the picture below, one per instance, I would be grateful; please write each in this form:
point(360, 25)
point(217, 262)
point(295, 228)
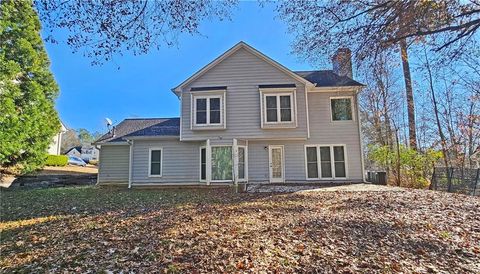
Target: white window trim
point(150, 162)
point(352, 107)
point(270, 147)
point(200, 164)
point(277, 95)
point(207, 97)
point(332, 162)
point(245, 164)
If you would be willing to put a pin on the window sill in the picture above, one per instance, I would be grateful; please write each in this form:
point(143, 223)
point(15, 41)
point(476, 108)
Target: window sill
point(328, 179)
point(342, 121)
point(279, 126)
point(209, 127)
point(154, 176)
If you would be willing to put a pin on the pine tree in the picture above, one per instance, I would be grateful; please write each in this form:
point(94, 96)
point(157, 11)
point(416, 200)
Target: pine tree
point(28, 119)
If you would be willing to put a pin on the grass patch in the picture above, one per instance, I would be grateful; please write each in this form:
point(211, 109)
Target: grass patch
point(35, 203)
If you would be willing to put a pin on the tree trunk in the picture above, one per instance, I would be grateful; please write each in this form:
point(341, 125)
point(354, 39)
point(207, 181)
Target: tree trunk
point(470, 124)
point(409, 91)
point(443, 140)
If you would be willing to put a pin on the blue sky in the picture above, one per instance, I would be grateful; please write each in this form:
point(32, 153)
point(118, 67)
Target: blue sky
point(139, 86)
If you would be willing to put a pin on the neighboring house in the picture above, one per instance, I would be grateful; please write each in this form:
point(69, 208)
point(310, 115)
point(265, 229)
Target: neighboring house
point(89, 153)
point(245, 118)
point(74, 151)
point(54, 148)
point(85, 152)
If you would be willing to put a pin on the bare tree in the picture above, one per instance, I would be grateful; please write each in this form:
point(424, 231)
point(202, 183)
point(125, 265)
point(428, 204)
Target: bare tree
point(443, 140)
point(372, 27)
point(103, 29)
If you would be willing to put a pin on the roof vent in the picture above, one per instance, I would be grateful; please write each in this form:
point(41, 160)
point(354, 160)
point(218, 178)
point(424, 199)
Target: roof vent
point(342, 62)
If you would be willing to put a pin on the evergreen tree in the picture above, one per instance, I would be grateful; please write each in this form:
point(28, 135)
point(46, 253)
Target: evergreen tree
point(28, 119)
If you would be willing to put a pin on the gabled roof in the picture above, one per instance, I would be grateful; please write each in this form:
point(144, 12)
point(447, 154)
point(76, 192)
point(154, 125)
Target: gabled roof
point(77, 148)
point(328, 78)
point(142, 127)
point(240, 45)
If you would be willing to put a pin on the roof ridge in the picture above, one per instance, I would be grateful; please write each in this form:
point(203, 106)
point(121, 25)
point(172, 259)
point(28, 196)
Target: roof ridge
point(151, 118)
point(312, 70)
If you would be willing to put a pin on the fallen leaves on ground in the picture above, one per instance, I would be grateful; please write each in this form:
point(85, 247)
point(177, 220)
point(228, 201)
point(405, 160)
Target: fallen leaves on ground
point(205, 231)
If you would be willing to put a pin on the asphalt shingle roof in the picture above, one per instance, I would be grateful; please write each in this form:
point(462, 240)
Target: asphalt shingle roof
point(143, 127)
point(327, 78)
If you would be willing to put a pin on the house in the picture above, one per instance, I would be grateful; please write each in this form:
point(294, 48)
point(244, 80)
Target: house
point(244, 118)
point(89, 153)
point(85, 152)
point(54, 148)
point(74, 151)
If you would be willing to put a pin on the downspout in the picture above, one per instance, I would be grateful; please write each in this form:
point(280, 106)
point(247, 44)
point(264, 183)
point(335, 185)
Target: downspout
point(360, 134)
point(306, 110)
point(130, 161)
point(99, 163)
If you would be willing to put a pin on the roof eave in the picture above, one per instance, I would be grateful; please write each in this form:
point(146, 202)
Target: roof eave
point(151, 137)
point(338, 88)
point(118, 143)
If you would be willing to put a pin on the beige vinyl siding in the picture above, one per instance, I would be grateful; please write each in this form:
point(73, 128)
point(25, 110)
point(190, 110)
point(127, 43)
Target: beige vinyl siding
point(324, 131)
point(258, 169)
point(242, 73)
point(113, 164)
point(181, 162)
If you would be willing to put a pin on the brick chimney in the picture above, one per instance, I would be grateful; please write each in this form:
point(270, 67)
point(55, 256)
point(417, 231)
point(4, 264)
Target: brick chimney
point(342, 62)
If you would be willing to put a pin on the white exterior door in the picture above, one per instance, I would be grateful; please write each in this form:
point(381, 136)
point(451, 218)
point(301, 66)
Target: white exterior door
point(276, 164)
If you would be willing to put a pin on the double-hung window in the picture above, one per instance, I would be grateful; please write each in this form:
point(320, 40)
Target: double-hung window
point(341, 108)
point(208, 110)
point(155, 162)
point(326, 162)
point(278, 108)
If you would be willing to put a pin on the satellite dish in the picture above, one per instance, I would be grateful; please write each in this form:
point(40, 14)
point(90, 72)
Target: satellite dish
point(108, 121)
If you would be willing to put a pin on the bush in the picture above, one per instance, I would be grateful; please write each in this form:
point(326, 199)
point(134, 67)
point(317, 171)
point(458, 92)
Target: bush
point(93, 162)
point(415, 166)
point(56, 160)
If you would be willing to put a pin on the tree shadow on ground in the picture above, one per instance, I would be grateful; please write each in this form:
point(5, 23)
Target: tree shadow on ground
point(216, 231)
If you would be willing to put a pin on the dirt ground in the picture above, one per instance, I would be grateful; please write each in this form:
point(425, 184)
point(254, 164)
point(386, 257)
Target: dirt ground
point(66, 170)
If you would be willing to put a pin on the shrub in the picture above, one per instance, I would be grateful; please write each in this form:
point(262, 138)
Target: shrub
point(56, 160)
point(415, 166)
point(93, 162)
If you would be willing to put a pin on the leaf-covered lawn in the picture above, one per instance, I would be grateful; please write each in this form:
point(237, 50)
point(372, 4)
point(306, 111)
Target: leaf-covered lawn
point(202, 231)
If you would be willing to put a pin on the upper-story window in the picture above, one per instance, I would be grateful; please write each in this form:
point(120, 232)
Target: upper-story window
point(208, 110)
point(278, 108)
point(341, 108)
